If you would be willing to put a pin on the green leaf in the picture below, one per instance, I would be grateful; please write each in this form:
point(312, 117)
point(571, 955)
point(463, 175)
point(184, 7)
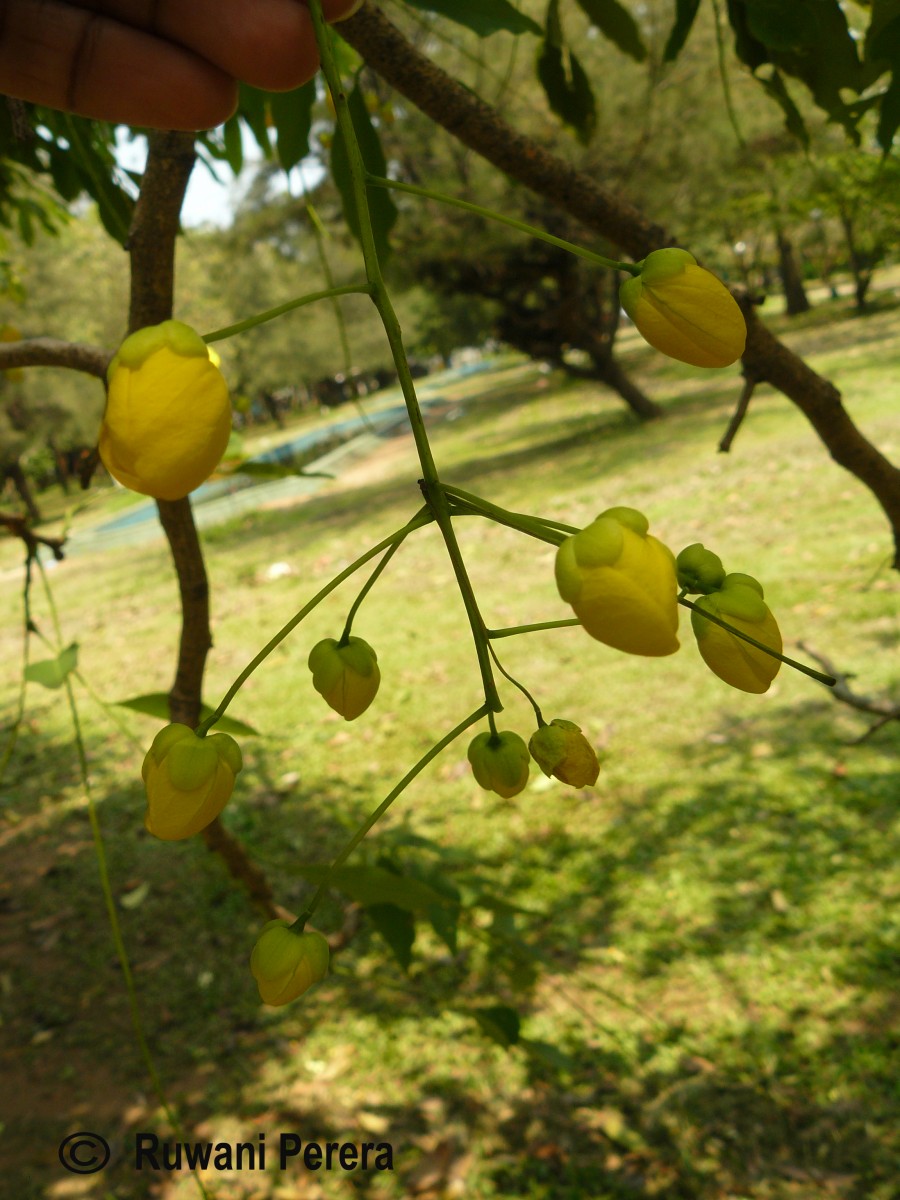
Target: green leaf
point(781, 26)
point(793, 118)
point(548, 1054)
point(398, 928)
point(275, 470)
point(499, 1022)
point(252, 109)
point(375, 885)
point(233, 142)
point(617, 24)
point(483, 17)
point(53, 672)
point(444, 922)
point(381, 206)
point(292, 115)
point(564, 80)
point(889, 115)
point(685, 12)
point(156, 704)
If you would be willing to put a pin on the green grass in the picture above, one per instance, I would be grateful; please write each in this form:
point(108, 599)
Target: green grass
point(713, 1013)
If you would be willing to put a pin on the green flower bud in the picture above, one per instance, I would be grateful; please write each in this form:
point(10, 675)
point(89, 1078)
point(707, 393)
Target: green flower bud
point(287, 964)
point(188, 780)
point(168, 413)
point(346, 676)
point(739, 602)
point(500, 762)
point(620, 581)
point(699, 570)
point(684, 311)
point(561, 749)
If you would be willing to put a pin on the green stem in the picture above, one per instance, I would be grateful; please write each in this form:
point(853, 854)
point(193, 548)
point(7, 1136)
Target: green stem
point(532, 231)
point(27, 628)
point(546, 530)
point(364, 591)
point(270, 314)
point(828, 680)
point(418, 521)
point(382, 808)
point(538, 627)
point(137, 1022)
point(319, 231)
point(431, 485)
point(521, 686)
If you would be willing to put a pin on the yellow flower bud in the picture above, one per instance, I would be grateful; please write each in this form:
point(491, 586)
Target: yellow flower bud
point(9, 333)
point(621, 583)
point(698, 569)
point(346, 676)
point(683, 310)
point(561, 749)
point(500, 762)
point(188, 780)
point(739, 602)
point(168, 415)
point(286, 964)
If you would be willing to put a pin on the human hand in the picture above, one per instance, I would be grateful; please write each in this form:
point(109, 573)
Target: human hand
point(166, 64)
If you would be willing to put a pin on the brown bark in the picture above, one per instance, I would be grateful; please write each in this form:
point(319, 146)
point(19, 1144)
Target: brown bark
point(13, 472)
point(151, 244)
point(479, 126)
point(611, 372)
point(795, 298)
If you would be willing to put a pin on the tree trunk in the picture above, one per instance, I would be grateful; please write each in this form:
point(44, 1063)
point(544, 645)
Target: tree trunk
point(791, 281)
point(610, 372)
point(861, 277)
point(14, 472)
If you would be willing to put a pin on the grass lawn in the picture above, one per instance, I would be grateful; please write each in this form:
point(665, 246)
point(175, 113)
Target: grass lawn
point(702, 951)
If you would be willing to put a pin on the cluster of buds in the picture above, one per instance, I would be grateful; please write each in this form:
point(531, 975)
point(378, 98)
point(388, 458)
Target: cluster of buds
point(168, 412)
point(501, 761)
point(738, 600)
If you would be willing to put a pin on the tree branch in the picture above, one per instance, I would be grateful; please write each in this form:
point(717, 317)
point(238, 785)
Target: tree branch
point(51, 352)
point(740, 411)
point(151, 244)
point(885, 710)
point(479, 126)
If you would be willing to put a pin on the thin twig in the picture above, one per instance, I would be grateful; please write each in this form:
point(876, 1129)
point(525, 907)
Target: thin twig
point(739, 413)
point(886, 710)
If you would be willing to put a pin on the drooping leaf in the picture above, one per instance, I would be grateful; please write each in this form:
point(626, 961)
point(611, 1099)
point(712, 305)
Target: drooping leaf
point(233, 143)
point(275, 470)
point(549, 1055)
point(617, 24)
point(889, 117)
point(53, 672)
point(781, 26)
point(685, 12)
point(483, 17)
point(398, 928)
point(564, 80)
point(382, 209)
point(793, 118)
point(252, 109)
point(292, 115)
point(499, 1022)
point(156, 704)
point(376, 885)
